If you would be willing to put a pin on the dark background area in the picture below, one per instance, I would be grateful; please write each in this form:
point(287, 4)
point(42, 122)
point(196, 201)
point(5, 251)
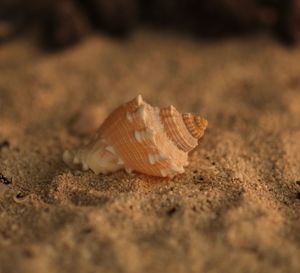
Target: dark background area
point(61, 23)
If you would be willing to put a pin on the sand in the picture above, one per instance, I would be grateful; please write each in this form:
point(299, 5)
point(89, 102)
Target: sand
point(236, 208)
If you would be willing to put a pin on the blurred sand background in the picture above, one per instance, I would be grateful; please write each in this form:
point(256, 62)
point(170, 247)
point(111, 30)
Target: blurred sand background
point(237, 207)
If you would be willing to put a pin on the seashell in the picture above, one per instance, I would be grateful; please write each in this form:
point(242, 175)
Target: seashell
point(142, 138)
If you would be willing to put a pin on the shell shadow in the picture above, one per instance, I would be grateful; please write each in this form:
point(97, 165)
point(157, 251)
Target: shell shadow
point(88, 189)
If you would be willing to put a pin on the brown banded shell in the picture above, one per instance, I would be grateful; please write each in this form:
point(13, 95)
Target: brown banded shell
point(142, 138)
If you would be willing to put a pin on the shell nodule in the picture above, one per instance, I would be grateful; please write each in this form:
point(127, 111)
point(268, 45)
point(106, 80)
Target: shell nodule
point(142, 138)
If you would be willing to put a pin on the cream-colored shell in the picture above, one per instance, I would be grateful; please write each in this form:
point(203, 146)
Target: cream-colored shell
point(142, 138)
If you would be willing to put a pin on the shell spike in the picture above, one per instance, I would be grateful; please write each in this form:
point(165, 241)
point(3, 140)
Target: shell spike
point(139, 99)
point(134, 104)
point(141, 112)
point(177, 169)
point(172, 109)
point(143, 135)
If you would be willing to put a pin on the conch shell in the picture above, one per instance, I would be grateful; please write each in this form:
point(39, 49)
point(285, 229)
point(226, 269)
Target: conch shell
point(142, 138)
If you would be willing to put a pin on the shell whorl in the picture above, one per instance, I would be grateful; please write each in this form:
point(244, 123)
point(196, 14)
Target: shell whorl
point(183, 129)
point(176, 129)
point(195, 124)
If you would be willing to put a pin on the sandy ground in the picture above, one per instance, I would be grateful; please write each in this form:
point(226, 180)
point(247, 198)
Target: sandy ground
point(237, 207)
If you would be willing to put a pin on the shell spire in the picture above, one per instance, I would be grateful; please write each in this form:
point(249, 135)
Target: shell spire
point(183, 129)
point(139, 137)
point(195, 124)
